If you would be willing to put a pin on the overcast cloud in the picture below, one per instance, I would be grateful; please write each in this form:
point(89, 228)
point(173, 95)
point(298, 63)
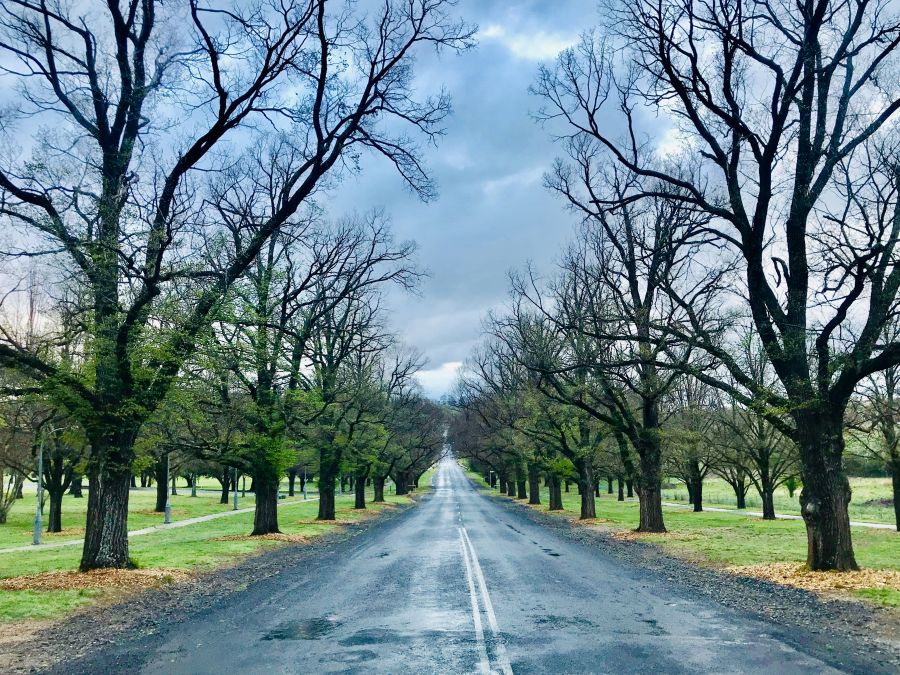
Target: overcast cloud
point(493, 213)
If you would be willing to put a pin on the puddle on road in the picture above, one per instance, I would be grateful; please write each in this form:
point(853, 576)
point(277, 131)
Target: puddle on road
point(307, 629)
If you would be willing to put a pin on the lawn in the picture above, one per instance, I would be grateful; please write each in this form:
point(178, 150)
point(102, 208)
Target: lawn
point(198, 547)
point(726, 539)
point(872, 499)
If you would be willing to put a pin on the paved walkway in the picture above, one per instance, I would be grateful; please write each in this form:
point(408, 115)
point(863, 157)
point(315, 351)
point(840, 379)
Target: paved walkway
point(154, 528)
point(782, 516)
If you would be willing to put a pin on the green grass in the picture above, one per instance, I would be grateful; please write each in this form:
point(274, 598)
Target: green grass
point(882, 596)
point(197, 547)
point(736, 539)
point(18, 605)
point(871, 498)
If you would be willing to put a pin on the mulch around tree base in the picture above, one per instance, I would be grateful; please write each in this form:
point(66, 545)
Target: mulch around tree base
point(70, 580)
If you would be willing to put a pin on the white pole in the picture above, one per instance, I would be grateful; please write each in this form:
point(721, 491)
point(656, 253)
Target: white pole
point(36, 539)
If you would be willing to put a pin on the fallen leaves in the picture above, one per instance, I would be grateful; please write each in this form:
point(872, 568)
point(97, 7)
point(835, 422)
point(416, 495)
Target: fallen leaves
point(798, 575)
point(274, 536)
point(111, 578)
point(634, 535)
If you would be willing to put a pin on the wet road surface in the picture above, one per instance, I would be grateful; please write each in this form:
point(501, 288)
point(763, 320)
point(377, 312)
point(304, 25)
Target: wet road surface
point(460, 584)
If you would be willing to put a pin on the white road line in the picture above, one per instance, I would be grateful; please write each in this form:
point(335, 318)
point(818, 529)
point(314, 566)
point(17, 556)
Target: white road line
point(484, 665)
point(502, 656)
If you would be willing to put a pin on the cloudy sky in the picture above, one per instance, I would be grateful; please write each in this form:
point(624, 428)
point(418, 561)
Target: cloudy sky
point(492, 213)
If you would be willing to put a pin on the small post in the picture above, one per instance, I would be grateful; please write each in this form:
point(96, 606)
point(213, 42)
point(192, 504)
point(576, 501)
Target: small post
point(168, 518)
point(38, 525)
point(235, 505)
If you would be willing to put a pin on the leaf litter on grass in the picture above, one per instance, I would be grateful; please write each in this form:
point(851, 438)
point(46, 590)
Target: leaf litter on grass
point(800, 576)
point(104, 578)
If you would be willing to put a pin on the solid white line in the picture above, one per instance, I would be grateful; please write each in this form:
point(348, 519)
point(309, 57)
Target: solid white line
point(502, 656)
point(484, 665)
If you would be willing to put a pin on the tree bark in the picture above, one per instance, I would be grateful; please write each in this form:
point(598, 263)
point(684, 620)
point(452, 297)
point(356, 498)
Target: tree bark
point(54, 522)
point(265, 516)
point(521, 489)
point(159, 470)
point(326, 500)
point(586, 489)
point(292, 479)
point(534, 485)
point(768, 504)
point(650, 482)
point(825, 497)
point(106, 526)
point(741, 499)
point(895, 485)
point(378, 483)
point(629, 486)
point(359, 490)
point(621, 496)
point(76, 488)
point(609, 485)
point(555, 495)
point(225, 480)
point(697, 487)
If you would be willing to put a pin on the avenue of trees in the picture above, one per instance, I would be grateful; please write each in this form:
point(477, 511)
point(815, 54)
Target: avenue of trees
point(162, 181)
point(730, 303)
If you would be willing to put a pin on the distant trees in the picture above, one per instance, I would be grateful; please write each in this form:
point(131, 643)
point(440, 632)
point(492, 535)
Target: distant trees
point(115, 193)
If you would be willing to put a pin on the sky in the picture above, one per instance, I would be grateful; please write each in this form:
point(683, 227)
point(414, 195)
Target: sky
point(492, 213)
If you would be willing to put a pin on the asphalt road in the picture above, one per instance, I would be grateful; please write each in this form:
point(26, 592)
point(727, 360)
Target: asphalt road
point(460, 584)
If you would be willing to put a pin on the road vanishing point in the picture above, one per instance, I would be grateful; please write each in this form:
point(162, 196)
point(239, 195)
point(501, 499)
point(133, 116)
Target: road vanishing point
point(462, 584)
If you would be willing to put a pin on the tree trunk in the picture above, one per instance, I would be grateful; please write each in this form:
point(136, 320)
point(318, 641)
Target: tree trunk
point(621, 496)
point(160, 471)
point(522, 489)
point(174, 489)
point(76, 488)
point(292, 479)
point(741, 496)
point(650, 483)
point(106, 526)
point(378, 482)
point(265, 517)
point(326, 500)
point(567, 485)
point(225, 480)
point(629, 486)
point(359, 485)
point(586, 489)
point(54, 523)
point(555, 494)
point(768, 504)
point(825, 497)
point(534, 485)
point(401, 483)
point(609, 485)
point(690, 488)
point(697, 482)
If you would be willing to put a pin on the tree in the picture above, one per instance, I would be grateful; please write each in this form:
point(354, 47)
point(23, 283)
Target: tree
point(787, 112)
point(113, 193)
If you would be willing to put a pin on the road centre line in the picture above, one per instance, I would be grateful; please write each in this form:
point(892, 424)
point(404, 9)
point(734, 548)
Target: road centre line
point(502, 656)
point(484, 664)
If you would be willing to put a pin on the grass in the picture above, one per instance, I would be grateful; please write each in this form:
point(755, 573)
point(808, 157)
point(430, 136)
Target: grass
point(198, 547)
point(872, 498)
point(735, 539)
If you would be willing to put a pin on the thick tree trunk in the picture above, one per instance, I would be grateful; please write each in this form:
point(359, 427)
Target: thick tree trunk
point(106, 526)
point(378, 482)
point(159, 470)
point(225, 480)
point(650, 483)
point(292, 480)
point(586, 489)
point(567, 485)
point(609, 485)
point(401, 483)
point(697, 487)
point(359, 493)
point(534, 485)
point(555, 495)
point(741, 497)
point(690, 488)
point(54, 523)
point(326, 500)
point(768, 504)
point(265, 517)
point(76, 488)
point(521, 488)
point(511, 488)
point(629, 486)
point(621, 496)
point(825, 497)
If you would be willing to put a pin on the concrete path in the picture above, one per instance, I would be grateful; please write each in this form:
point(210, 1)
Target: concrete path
point(780, 516)
point(463, 584)
point(151, 529)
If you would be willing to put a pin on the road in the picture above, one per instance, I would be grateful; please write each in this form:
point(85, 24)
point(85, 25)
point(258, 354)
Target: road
point(461, 584)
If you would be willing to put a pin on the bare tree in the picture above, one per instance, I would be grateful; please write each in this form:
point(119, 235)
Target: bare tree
point(786, 112)
point(143, 94)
